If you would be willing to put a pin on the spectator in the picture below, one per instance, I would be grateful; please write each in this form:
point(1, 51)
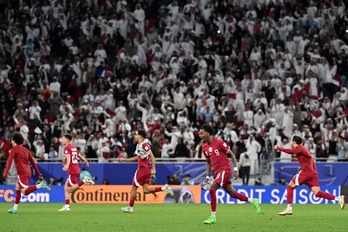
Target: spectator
point(186, 180)
point(173, 180)
point(244, 167)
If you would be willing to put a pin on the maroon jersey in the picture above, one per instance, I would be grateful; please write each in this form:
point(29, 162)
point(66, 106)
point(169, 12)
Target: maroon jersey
point(303, 156)
point(22, 157)
point(216, 152)
point(143, 152)
point(74, 167)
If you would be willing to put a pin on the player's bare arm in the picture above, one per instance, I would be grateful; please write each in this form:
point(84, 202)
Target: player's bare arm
point(81, 157)
point(68, 160)
point(153, 163)
point(234, 162)
point(208, 168)
point(134, 158)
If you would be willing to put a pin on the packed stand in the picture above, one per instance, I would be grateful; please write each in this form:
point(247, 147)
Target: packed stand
point(258, 71)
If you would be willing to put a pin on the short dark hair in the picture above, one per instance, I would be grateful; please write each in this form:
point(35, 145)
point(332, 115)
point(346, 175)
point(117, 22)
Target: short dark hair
point(142, 133)
point(68, 136)
point(18, 138)
point(208, 128)
point(297, 140)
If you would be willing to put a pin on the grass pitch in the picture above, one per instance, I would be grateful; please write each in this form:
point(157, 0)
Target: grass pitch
point(171, 217)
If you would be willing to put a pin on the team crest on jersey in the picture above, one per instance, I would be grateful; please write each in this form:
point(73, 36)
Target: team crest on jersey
point(225, 145)
point(210, 149)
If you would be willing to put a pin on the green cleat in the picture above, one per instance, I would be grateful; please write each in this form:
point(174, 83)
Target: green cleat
point(256, 205)
point(12, 211)
point(210, 220)
point(43, 184)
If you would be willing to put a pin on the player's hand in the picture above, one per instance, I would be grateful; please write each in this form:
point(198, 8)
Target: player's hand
point(276, 147)
point(153, 171)
point(236, 174)
point(4, 177)
point(41, 177)
point(65, 168)
point(87, 164)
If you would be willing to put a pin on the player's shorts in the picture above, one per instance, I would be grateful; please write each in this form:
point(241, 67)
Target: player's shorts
point(308, 179)
point(142, 176)
point(23, 181)
point(72, 179)
point(223, 177)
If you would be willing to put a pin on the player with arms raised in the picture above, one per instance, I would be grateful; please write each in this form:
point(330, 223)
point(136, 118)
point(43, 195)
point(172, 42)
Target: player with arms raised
point(142, 176)
point(216, 151)
point(308, 175)
point(22, 158)
point(72, 156)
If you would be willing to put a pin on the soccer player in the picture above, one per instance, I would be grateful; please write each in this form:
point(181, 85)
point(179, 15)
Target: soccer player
point(216, 151)
point(145, 170)
point(308, 175)
point(22, 157)
point(72, 156)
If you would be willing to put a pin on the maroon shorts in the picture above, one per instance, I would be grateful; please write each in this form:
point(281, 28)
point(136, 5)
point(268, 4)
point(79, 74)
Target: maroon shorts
point(72, 179)
point(142, 176)
point(309, 179)
point(223, 177)
point(23, 181)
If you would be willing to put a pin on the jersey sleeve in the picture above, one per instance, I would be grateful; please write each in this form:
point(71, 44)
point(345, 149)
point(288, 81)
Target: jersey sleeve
point(9, 163)
point(298, 150)
point(33, 163)
point(224, 147)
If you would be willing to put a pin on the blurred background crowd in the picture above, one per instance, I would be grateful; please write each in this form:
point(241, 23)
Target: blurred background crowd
point(260, 71)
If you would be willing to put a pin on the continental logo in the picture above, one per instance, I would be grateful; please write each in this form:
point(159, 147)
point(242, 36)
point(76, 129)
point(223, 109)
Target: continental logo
point(9, 195)
point(111, 194)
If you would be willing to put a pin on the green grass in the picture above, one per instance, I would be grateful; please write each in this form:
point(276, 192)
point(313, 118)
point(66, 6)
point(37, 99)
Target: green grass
point(167, 217)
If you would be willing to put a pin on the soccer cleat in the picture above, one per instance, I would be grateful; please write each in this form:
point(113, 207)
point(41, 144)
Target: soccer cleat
point(285, 212)
point(127, 209)
point(210, 220)
point(256, 205)
point(12, 211)
point(342, 201)
point(43, 184)
point(167, 189)
point(88, 180)
point(64, 208)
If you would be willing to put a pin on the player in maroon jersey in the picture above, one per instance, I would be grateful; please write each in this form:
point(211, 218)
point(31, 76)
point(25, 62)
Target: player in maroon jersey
point(72, 156)
point(22, 157)
point(308, 175)
point(216, 152)
point(142, 176)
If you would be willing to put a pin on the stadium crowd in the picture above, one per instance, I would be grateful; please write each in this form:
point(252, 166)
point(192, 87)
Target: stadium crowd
point(260, 71)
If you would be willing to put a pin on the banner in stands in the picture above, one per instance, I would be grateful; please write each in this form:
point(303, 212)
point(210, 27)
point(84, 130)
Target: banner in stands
point(272, 195)
point(330, 174)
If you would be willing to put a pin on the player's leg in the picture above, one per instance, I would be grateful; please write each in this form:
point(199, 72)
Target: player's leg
point(129, 208)
point(234, 194)
point(318, 193)
point(33, 188)
point(213, 203)
point(72, 184)
point(13, 210)
point(164, 188)
point(296, 181)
